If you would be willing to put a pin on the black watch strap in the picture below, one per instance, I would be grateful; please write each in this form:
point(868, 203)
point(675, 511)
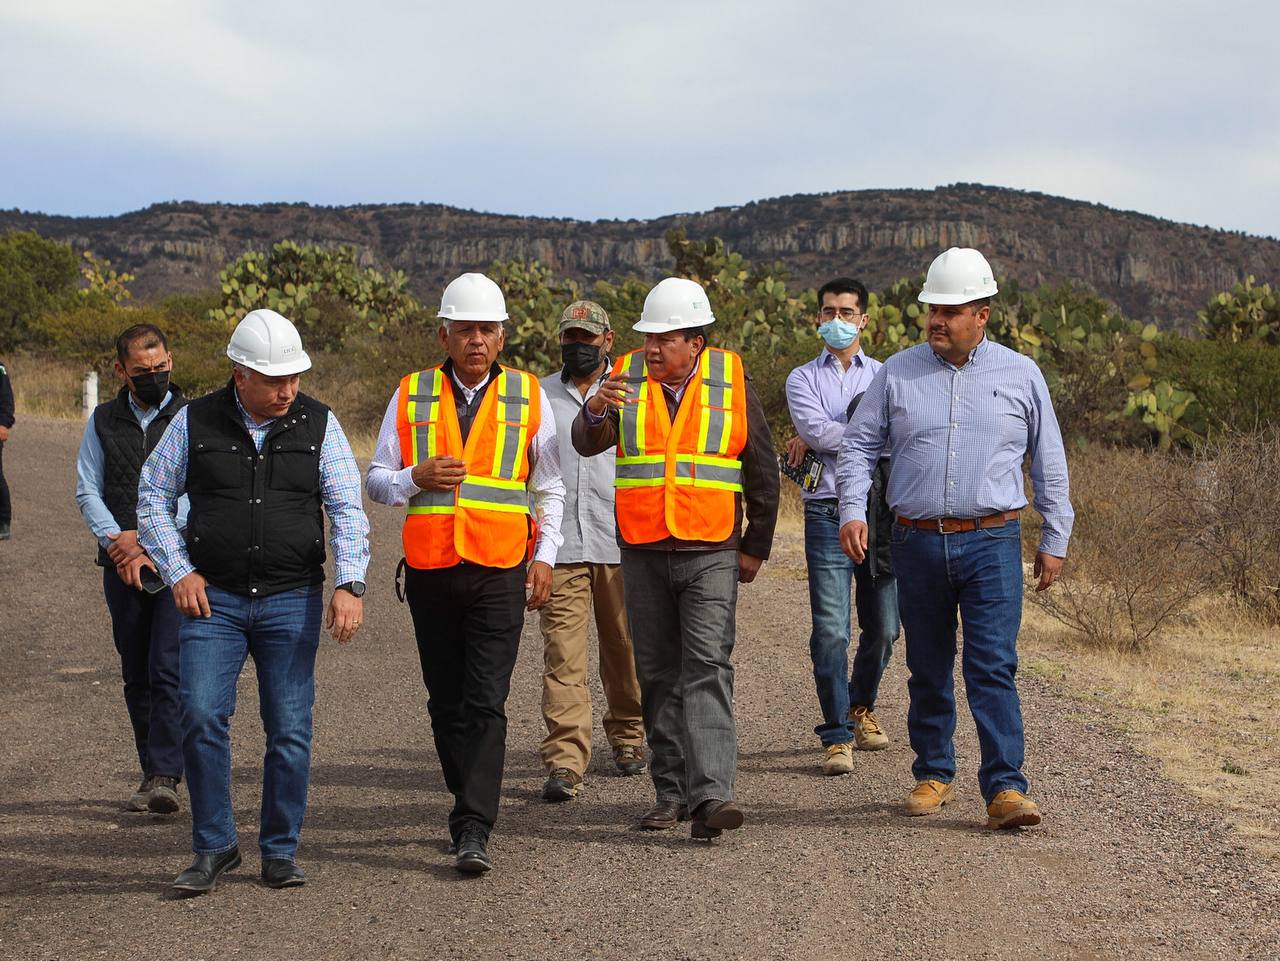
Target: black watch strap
point(353, 587)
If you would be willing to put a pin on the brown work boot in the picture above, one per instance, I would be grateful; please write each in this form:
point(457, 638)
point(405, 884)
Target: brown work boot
point(928, 797)
point(866, 732)
point(1012, 809)
point(138, 799)
point(663, 815)
point(712, 817)
point(838, 759)
point(562, 785)
point(163, 798)
point(629, 759)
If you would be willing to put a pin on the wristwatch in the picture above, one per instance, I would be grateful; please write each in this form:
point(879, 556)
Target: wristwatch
point(352, 587)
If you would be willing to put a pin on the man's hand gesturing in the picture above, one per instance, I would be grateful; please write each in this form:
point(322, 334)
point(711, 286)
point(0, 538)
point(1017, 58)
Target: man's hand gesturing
point(439, 473)
point(611, 395)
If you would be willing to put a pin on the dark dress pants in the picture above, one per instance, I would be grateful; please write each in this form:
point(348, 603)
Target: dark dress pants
point(6, 509)
point(145, 628)
point(468, 619)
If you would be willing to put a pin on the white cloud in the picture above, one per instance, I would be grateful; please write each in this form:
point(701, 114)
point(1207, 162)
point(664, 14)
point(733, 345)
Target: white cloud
point(599, 109)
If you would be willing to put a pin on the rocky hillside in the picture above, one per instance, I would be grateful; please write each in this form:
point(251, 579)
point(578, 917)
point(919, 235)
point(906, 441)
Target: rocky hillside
point(1152, 268)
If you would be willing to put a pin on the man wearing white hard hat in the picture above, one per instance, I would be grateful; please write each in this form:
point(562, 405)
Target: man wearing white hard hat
point(260, 464)
point(694, 455)
point(464, 447)
point(960, 414)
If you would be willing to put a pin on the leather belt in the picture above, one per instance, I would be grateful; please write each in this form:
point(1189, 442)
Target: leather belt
point(958, 525)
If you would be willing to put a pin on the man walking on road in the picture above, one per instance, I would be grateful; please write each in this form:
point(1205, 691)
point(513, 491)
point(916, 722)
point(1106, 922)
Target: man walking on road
point(959, 414)
point(821, 396)
point(6, 424)
point(694, 453)
point(144, 621)
point(587, 580)
point(259, 461)
point(464, 445)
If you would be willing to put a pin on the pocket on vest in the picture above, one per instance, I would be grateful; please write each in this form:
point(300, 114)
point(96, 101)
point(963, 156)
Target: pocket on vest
point(294, 467)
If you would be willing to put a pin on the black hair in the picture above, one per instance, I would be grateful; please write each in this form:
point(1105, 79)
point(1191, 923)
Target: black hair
point(844, 285)
point(148, 334)
point(692, 332)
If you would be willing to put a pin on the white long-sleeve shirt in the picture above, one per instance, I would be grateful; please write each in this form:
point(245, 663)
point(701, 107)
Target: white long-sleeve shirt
point(389, 481)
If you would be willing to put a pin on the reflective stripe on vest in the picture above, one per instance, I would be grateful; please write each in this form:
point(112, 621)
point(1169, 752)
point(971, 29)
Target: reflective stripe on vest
point(486, 518)
point(678, 476)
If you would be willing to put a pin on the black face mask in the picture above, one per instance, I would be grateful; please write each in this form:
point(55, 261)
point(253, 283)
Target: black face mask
point(580, 360)
point(151, 388)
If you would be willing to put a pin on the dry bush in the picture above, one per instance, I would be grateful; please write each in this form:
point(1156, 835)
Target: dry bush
point(1232, 515)
point(1129, 569)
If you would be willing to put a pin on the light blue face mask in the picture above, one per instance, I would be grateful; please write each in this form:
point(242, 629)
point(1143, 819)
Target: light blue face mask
point(838, 333)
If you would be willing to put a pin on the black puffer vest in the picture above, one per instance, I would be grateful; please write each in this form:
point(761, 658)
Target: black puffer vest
point(125, 447)
point(255, 526)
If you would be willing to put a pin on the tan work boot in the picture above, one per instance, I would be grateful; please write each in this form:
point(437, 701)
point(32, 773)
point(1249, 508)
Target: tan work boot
point(866, 732)
point(1012, 809)
point(838, 759)
point(928, 797)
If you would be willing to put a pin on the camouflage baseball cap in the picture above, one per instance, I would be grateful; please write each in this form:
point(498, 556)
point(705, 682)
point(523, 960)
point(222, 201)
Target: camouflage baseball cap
point(584, 314)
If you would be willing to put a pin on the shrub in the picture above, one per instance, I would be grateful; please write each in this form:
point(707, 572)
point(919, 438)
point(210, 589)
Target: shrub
point(1130, 569)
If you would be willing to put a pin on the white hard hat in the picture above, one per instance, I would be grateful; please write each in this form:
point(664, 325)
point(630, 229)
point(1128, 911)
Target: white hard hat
point(958, 276)
point(675, 304)
point(473, 297)
point(268, 343)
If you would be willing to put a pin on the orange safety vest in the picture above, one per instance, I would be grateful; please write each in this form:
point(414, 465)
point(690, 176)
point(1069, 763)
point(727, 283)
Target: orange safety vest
point(681, 479)
point(485, 520)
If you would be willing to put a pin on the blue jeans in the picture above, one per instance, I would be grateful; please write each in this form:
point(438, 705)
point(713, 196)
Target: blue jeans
point(145, 629)
point(281, 632)
point(830, 574)
point(979, 574)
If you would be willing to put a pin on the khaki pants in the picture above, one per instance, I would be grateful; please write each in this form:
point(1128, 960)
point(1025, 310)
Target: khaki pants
point(577, 589)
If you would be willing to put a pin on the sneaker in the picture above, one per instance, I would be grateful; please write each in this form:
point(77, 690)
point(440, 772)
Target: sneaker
point(4, 531)
point(838, 759)
point(629, 759)
point(866, 732)
point(163, 797)
point(928, 797)
point(473, 851)
point(1012, 809)
point(562, 785)
point(139, 798)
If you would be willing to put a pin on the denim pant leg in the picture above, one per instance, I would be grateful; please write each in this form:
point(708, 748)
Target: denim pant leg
point(830, 578)
point(283, 637)
point(164, 735)
point(991, 609)
point(927, 602)
point(877, 603)
point(707, 582)
point(131, 631)
point(213, 650)
point(654, 622)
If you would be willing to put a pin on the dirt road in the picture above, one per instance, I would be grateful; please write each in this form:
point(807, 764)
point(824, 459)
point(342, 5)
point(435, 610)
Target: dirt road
point(1124, 866)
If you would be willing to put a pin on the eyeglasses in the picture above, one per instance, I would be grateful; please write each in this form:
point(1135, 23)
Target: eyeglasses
point(844, 313)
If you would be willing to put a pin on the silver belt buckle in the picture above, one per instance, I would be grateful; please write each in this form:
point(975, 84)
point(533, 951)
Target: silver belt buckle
point(941, 529)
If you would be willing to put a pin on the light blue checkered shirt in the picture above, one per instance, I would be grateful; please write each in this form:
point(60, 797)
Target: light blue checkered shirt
point(958, 437)
point(164, 479)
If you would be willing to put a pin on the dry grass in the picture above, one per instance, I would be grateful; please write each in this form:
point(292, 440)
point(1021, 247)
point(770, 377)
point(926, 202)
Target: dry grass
point(1204, 701)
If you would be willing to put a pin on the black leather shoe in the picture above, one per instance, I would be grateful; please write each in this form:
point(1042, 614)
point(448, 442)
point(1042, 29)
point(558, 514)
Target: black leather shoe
point(204, 871)
point(282, 873)
point(712, 817)
point(663, 815)
point(473, 856)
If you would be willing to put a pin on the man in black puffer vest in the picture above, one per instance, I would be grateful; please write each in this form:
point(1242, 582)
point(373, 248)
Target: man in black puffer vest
point(144, 622)
point(260, 462)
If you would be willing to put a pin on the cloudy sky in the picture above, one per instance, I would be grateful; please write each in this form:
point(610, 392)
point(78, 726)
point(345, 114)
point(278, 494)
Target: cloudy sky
point(605, 109)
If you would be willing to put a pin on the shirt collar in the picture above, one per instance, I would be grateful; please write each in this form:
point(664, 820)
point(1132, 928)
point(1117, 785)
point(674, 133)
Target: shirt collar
point(974, 354)
point(827, 357)
point(247, 417)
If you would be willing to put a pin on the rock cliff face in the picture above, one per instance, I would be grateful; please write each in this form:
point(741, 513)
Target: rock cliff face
point(1152, 268)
